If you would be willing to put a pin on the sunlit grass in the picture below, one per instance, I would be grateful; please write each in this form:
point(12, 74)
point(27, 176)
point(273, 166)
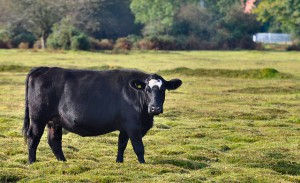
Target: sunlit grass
point(214, 128)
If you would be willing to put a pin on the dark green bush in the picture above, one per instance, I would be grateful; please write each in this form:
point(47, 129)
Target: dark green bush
point(235, 29)
point(61, 36)
point(159, 43)
point(4, 39)
point(174, 43)
point(94, 44)
point(3, 44)
point(66, 36)
point(80, 42)
point(25, 38)
point(134, 39)
point(293, 47)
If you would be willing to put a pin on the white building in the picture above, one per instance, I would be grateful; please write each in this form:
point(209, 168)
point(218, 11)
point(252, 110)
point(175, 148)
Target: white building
point(272, 38)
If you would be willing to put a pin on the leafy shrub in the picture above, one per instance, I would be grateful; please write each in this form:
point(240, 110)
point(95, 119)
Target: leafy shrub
point(123, 44)
point(106, 44)
point(293, 47)
point(80, 42)
point(66, 36)
point(103, 44)
point(194, 21)
point(37, 44)
point(134, 39)
point(4, 39)
point(159, 43)
point(25, 38)
point(4, 44)
point(94, 44)
point(146, 44)
point(174, 43)
point(167, 43)
point(235, 29)
point(196, 43)
point(61, 36)
point(23, 45)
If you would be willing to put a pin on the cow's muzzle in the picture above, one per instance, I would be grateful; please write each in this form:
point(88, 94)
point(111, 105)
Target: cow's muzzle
point(155, 110)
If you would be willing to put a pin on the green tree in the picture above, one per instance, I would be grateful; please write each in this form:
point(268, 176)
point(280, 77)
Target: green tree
point(35, 16)
point(193, 20)
point(158, 16)
point(97, 18)
point(103, 18)
point(117, 20)
point(66, 36)
point(235, 28)
point(284, 14)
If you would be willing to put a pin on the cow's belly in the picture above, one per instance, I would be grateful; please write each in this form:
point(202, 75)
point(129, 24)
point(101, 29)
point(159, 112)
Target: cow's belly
point(87, 124)
point(89, 128)
point(90, 115)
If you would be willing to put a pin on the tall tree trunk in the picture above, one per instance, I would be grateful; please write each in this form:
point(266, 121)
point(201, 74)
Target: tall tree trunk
point(42, 42)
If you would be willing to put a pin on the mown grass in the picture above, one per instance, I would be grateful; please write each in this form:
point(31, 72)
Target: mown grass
point(232, 120)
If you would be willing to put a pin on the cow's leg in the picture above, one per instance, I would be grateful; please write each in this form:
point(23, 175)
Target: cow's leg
point(137, 144)
point(122, 143)
point(138, 148)
point(34, 135)
point(54, 140)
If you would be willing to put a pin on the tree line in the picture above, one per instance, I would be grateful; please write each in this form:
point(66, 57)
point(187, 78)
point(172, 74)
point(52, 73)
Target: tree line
point(143, 24)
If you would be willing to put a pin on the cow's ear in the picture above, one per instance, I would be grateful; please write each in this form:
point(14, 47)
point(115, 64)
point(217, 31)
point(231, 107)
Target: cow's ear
point(137, 84)
point(173, 84)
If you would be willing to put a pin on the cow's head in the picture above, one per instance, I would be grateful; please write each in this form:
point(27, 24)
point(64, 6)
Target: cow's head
point(154, 87)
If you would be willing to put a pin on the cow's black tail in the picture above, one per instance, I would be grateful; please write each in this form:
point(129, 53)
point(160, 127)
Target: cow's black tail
point(26, 116)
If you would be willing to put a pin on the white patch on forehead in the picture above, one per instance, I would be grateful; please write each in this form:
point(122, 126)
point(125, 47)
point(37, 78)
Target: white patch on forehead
point(154, 82)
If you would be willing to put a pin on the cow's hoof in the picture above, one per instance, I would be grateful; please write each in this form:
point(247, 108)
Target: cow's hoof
point(119, 161)
point(142, 161)
point(30, 162)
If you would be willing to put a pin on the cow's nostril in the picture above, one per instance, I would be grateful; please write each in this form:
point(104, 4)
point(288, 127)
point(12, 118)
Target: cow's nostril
point(152, 109)
point(155, 109)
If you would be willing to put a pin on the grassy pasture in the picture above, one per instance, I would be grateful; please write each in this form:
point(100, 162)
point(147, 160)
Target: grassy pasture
point(233, 120)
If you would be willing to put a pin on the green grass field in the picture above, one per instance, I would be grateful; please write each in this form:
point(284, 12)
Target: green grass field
point(233, 120)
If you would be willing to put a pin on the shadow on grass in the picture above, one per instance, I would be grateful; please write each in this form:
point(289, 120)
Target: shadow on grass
point(264, 114)
point(14, 68)
point(266, 90)
point(198, 158)
point(9, 176)
point(284, 167)
point(186, 164)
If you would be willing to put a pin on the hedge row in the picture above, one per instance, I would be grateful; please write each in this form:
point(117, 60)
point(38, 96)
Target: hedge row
point(82, 42)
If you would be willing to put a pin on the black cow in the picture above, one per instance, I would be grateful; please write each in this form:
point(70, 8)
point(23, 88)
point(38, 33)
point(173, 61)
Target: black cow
point(91, 103)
